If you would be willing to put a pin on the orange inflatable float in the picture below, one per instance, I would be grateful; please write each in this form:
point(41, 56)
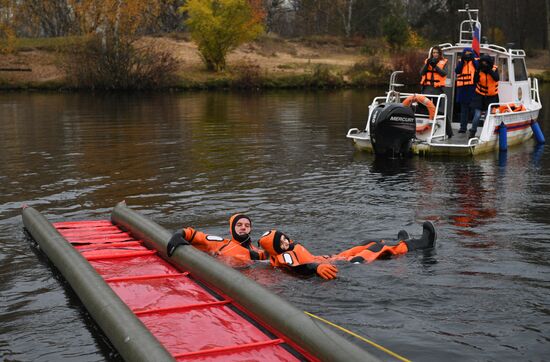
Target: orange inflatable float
point(427, 103)
point(510, 107)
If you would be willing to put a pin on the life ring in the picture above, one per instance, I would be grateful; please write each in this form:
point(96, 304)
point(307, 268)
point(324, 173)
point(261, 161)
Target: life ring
point(423, 100)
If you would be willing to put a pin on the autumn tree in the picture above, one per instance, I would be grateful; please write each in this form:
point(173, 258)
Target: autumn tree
point(52, 18)
point(7, 28)
point(110, 57)
point(345, 10)
point(219, 26)
point(395, 27)
point(274, 10)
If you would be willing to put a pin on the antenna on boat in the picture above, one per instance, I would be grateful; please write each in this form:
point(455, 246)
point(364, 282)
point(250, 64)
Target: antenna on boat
point(467, 9)
point(473, 20)
point(393, 95)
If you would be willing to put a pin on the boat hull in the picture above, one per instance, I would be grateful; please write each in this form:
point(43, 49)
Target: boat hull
point(518, 132)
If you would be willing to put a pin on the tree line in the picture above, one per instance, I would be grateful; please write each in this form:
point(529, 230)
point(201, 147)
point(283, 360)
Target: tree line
point(522, 22)
point(102, 49)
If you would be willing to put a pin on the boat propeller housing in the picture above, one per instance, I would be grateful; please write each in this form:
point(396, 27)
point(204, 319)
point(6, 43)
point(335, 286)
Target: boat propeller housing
point(392, 129)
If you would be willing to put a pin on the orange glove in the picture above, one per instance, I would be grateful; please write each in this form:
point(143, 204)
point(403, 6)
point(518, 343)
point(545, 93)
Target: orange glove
point(188, 233)
point(327, 271)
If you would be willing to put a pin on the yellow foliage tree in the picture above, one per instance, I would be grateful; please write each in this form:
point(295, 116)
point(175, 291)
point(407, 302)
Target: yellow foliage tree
point(219, 26)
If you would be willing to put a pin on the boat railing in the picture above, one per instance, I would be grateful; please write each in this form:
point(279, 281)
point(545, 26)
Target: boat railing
point(438, 123)
point(392, 95)
point(354, 132)
point(494, 119)
point(517, 52)
point(379, 100)
point(466, 35)
point(495, 47)
point(467, 26)
point(534, 85)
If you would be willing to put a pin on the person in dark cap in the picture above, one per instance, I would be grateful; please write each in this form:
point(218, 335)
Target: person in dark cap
point(237, 250)
point(486, 80)
point(465, 71)
point(285, 253)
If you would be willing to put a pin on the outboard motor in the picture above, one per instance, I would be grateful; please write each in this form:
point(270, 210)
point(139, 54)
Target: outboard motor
point(392, 129)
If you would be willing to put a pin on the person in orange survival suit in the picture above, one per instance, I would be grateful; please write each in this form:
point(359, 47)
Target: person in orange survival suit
point(237, 250)
point(285, 253)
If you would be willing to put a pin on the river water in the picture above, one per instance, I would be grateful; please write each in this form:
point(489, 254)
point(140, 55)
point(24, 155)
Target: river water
point(282, 157)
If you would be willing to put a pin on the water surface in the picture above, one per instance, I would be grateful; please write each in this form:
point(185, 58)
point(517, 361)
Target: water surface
point(282, 157)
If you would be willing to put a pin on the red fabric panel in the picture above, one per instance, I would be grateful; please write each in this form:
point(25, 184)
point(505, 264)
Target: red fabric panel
point(161, 293)
point(141, 265)
point(197, 326)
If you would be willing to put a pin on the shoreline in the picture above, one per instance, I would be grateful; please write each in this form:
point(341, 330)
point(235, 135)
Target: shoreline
point(269, 63)
point(296, 82)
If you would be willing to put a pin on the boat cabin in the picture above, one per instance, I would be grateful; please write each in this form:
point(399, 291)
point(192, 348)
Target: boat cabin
point(514, 85)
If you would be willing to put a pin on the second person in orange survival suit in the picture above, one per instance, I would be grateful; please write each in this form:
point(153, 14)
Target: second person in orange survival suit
point(236, 251)
point(285, 253)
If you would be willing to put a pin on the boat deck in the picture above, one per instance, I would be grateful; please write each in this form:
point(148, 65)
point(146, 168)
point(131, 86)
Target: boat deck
point(189, 319)
point(456, 139)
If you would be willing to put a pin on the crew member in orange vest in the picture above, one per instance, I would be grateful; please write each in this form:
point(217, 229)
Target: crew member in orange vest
point(465, 85)
point(285, 253)
point(237, 251)
point(433, 77)
point(486, 79)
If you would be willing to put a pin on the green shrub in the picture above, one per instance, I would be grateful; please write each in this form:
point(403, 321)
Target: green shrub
point(247, 75)
point(374, 46)
point(322, 77)
point(368, 72)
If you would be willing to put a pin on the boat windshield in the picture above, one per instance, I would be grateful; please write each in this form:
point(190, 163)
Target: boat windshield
point(520, 72)
point(503, 69)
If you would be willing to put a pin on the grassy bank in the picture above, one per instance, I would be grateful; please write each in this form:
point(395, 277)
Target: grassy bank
point(323, 79)
point(268, 63)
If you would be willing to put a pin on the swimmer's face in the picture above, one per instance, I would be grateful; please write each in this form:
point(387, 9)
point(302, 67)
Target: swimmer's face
point(285, 243)
point(243, 227)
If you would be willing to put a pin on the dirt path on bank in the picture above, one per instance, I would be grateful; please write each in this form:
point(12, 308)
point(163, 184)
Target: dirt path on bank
point(270, 55)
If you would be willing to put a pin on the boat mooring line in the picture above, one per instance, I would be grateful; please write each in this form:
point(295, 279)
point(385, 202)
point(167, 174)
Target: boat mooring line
point(374, 344)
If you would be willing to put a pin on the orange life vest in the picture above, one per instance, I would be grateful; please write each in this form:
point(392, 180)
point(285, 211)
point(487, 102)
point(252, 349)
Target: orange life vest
point(432, 77)
point(299, 255)
point(296, 255)
point(487, 86)
point(503, 108)
point(218, 246)
point(466, 77)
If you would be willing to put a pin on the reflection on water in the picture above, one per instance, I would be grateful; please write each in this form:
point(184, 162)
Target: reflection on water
point(194, 159)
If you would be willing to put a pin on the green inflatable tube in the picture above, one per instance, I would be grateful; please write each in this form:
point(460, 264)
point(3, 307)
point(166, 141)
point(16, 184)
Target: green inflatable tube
point(129, 336)
point(306, 332)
